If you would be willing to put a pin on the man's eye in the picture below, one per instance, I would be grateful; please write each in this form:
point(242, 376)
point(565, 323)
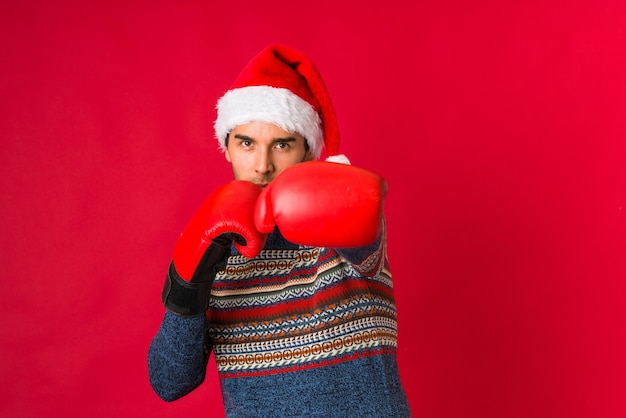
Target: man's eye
point(282, 145)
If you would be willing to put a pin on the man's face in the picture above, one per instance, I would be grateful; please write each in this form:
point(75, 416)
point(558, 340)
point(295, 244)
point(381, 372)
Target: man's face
point(259, 151)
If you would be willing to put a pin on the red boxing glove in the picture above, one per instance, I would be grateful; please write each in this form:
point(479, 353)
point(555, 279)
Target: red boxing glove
point(323, 204)
point(228, 210)
point(203, 248)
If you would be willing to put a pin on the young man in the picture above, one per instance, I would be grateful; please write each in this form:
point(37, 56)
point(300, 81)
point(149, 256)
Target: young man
point(282, 273)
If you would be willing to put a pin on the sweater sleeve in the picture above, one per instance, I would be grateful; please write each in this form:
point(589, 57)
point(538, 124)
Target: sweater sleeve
point(178, 356)
point(368, 260)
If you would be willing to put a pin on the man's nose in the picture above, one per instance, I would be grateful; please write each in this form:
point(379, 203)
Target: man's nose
point(263, 163)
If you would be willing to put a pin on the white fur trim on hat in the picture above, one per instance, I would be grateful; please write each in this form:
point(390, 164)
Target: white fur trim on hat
point(278, 106)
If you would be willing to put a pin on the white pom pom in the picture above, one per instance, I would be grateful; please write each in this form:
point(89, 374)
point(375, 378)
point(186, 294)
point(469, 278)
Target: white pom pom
point(340, 158)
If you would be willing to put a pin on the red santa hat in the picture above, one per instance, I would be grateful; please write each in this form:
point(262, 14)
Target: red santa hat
point(281, 86)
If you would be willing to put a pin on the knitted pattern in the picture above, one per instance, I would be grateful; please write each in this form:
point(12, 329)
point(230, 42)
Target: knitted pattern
point(298, 308)
point(297, 331)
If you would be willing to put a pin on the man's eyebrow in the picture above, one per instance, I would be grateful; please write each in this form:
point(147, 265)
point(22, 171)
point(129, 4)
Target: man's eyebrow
point(247, 138)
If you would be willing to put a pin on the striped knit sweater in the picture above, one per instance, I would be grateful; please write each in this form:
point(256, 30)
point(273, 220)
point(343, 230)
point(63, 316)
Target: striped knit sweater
point(297, 331)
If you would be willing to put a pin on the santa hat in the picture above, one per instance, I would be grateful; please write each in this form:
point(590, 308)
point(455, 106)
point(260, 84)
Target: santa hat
point(281, 86)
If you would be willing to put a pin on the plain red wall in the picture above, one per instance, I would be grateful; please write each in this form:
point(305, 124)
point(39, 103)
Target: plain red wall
point(500, 127)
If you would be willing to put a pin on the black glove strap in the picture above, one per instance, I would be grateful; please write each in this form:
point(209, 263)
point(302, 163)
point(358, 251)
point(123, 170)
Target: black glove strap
point(190, 298)
point(185, 298)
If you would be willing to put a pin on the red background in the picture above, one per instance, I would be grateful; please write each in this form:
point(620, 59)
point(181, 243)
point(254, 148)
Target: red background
point(499, 125)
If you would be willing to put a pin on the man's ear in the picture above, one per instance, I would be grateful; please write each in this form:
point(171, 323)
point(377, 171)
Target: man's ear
point(226, 154)
point(308, 156)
